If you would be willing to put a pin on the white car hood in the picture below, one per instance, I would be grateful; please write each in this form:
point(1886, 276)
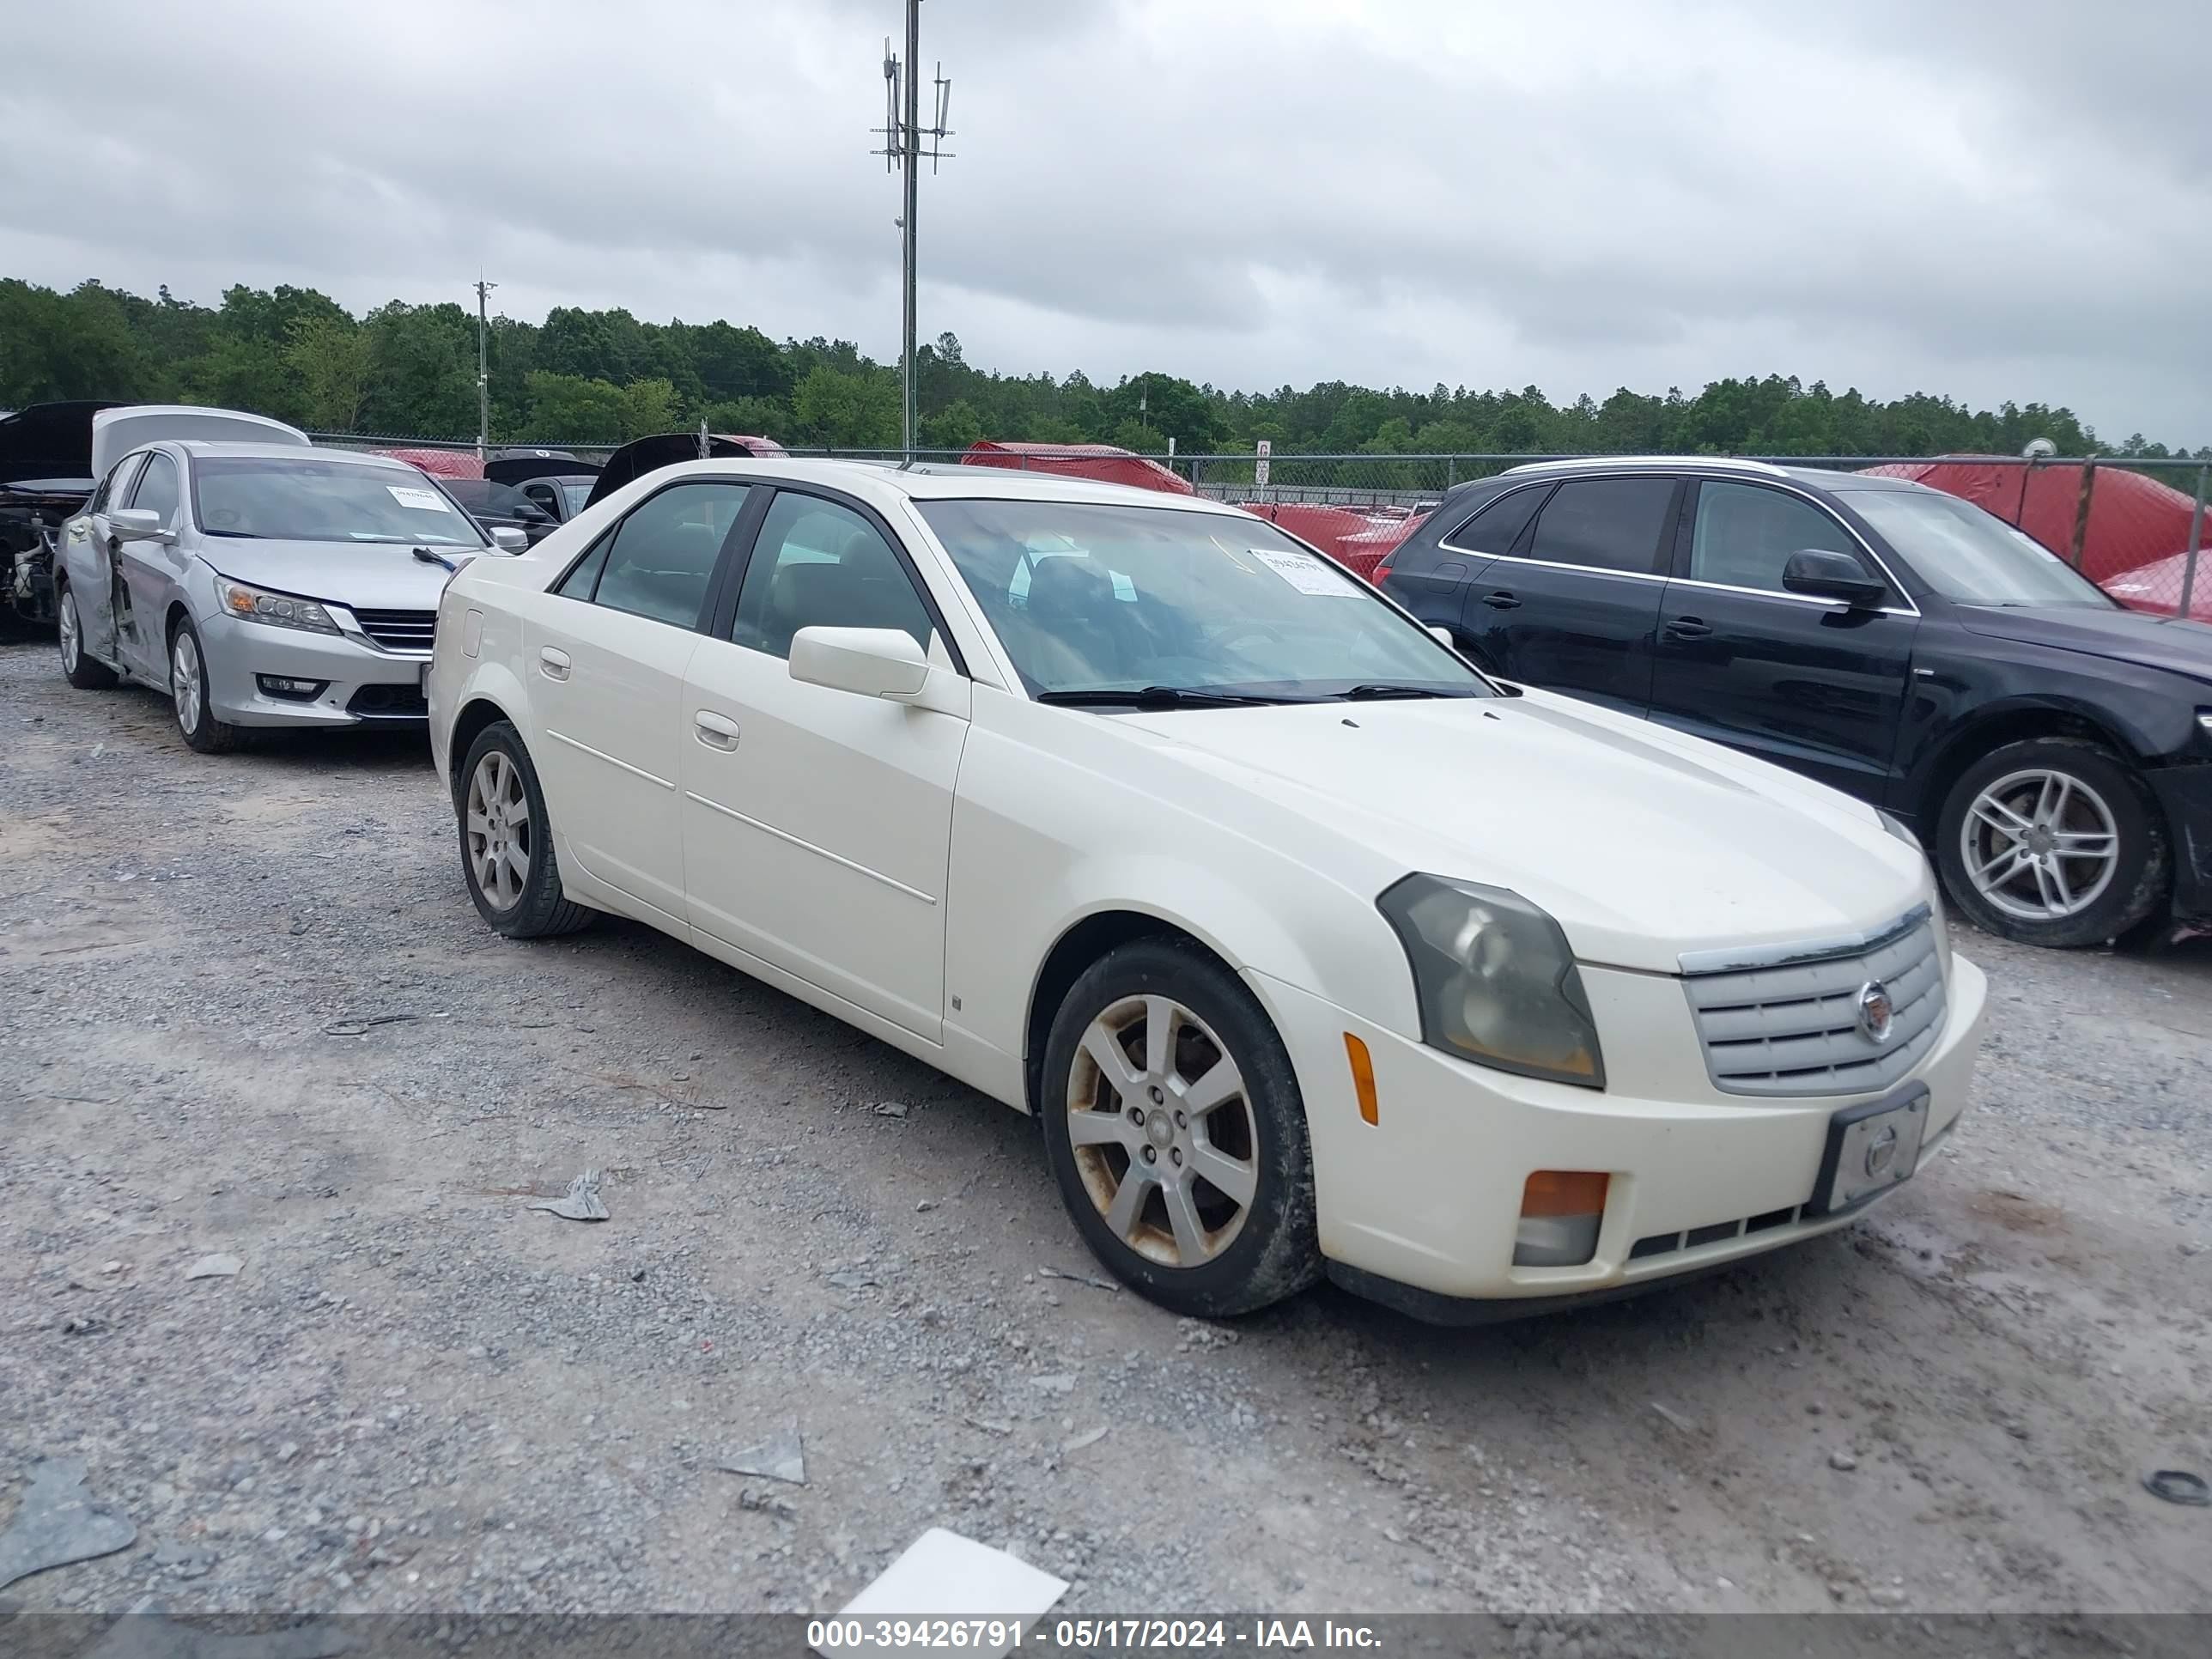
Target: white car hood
point(1642, 843)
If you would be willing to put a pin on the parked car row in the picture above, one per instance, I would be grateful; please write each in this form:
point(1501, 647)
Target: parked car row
point(1549, 921)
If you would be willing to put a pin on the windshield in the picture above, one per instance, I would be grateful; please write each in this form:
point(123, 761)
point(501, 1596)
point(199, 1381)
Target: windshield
point(1969, 557)
point(317, 501)
point(484, 499)
point(1091, 598)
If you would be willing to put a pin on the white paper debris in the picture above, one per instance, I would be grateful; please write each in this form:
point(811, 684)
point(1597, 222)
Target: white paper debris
point(214, 1266)
point(581, 1202)
point(943, 1574)
point(782, 1458)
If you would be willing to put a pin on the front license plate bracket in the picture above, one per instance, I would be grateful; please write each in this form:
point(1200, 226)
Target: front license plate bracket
point(1871, 1148)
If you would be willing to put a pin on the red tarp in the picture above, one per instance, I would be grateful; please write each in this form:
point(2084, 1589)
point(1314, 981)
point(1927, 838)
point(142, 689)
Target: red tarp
point(2134, 520)
point(1358, 541)
point(1102, 463)
point(1366, 552)
point(438, 463)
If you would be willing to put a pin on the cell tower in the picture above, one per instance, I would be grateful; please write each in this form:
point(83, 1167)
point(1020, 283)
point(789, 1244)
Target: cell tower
point(905, 149)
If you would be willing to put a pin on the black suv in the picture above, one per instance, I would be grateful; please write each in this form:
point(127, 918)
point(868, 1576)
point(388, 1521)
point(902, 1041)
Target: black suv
point(2054, 749)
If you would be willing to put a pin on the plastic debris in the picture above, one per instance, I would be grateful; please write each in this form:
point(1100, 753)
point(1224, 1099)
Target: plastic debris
point(1094, 1282)
point(943, 1573)
point(2178, 1486)
point(56, 1524)
point(360, 1027)
point(1088, 1437)
point(766, 1503)
point(781, 1458)
point(1674, 1417)
point(1055, 1382)
point(214, 1267)
point(891, 1108)
point(581, 1202)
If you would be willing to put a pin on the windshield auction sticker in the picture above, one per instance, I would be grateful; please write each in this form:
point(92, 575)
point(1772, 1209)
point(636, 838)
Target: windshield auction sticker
point(423, 501)
point(1303, 572)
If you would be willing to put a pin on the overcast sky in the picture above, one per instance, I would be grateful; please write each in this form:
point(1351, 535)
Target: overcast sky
point(1993, 202)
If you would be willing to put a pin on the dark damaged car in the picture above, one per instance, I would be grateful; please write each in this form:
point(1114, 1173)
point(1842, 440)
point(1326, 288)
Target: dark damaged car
point(46, 475)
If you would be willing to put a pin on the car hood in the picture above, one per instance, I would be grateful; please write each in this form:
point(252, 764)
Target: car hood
point(1642, 843)
point(48, 443)
point(375, 576)
point(2169, 642)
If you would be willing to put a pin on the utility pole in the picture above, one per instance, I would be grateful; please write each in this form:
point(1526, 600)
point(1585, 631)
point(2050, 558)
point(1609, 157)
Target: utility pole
point(483, 370)
point(903, 148)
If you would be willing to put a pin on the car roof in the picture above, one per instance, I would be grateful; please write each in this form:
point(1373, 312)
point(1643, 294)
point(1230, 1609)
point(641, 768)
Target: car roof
point(1819, 477)
point(940, 482)
point(213, 446)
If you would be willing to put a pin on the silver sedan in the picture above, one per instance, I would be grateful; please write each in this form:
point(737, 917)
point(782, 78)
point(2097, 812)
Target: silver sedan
point(261, 585)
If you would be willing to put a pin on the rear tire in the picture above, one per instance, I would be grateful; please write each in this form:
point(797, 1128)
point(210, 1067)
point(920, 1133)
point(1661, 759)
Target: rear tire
point(188, 691)
point(506, 841)
point(2052, 842)
point(1191, 1183)
point(81, 671)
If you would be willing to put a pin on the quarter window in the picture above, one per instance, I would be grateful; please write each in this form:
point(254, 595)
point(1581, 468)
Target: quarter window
point(1745, 534)
point(157, 491)
point(1498, 526)
point(1606, 523)
point(817, 564)
point(658, 560)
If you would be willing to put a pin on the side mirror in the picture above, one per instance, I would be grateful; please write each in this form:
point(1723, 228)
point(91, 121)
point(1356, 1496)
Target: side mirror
point(875, 662)
point(1443, 636)
point(1821, 573)
point(137, 524)
point(530, 513)
point(507, 539)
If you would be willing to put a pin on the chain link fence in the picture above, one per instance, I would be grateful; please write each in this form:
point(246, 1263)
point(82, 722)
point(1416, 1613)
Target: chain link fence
point(2135, 526)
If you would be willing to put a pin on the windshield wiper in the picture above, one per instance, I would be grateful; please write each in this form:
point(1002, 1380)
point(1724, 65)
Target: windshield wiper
point(1158, 696)
point(1383, 692)
point(427, 557)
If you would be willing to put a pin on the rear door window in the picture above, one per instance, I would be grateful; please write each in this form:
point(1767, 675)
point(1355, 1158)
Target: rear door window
point(1498, 526)
point(661, 557)
point(1605, 524)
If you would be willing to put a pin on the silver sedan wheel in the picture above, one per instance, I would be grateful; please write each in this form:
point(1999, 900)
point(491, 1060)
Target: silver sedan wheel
point(187, 680)
point(498, 809)
point(72, 633)
point(2039, 845)
point(1164, 1137)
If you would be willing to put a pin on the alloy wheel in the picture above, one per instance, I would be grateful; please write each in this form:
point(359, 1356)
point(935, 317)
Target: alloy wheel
point(1165, 1138)
point(2039, 845)
point(498, 809)
point(67, 625)
point(186, 680)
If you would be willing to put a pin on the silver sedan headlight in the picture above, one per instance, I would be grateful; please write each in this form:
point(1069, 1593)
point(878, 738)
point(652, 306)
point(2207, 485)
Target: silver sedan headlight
point(278, 610)
point(1496, 980)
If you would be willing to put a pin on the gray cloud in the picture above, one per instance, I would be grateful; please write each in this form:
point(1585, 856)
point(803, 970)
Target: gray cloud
point(1991, 201)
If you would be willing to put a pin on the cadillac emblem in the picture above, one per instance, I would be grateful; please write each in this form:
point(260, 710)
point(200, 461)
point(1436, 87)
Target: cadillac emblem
point(1876, 1012)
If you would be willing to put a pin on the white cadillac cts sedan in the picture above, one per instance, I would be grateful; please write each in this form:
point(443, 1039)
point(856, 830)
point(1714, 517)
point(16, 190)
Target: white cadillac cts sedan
point(1314, 950)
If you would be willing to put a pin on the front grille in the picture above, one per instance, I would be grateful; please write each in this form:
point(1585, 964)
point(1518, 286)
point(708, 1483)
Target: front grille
point(399, 630)
point(1788, 1022)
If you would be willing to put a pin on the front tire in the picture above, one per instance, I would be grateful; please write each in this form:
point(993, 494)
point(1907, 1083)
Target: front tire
point(506, 841)
point(81, 671)
point(2052, 842)
point(1174, 1124)
point(188, 691)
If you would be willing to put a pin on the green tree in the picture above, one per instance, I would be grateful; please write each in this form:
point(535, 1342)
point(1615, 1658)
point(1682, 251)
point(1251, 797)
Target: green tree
point(755, 417)
point(848, 409)
point(331, 361)
point(568, 408)
point(648, 406)
point(955, 427)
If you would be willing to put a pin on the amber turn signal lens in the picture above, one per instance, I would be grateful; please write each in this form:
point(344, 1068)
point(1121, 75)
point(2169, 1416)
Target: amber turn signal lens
point(1362, 1076)
point(1565, 1192)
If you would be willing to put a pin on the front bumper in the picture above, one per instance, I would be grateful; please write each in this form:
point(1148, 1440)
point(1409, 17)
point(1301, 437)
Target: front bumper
point(363, 683)
point(1420, 1207)
point(2186, 792)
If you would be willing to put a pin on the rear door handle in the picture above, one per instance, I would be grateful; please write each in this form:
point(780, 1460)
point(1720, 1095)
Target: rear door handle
point(715, 730)
point(1501, 601)
point(1688, 627)
point(555, 663)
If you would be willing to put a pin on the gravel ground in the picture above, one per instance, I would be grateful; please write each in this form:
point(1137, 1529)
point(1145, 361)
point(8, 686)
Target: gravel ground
point(419, 1394)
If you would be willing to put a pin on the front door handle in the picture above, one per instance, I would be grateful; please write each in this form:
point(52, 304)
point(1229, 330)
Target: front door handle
point(715, 730)
point(1501, 601)
point(554, 663)
point(1687, 627)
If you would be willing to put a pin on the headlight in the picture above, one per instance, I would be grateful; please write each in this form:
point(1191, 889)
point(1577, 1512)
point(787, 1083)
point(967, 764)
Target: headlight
point(1495, 979)
point(278, 610)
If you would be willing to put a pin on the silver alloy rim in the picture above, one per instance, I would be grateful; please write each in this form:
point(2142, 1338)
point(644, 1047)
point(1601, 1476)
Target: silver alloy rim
point(68, 636)
point(185, 681)
point(2040, 845)
point(1165, 1138)
point(498, 810)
